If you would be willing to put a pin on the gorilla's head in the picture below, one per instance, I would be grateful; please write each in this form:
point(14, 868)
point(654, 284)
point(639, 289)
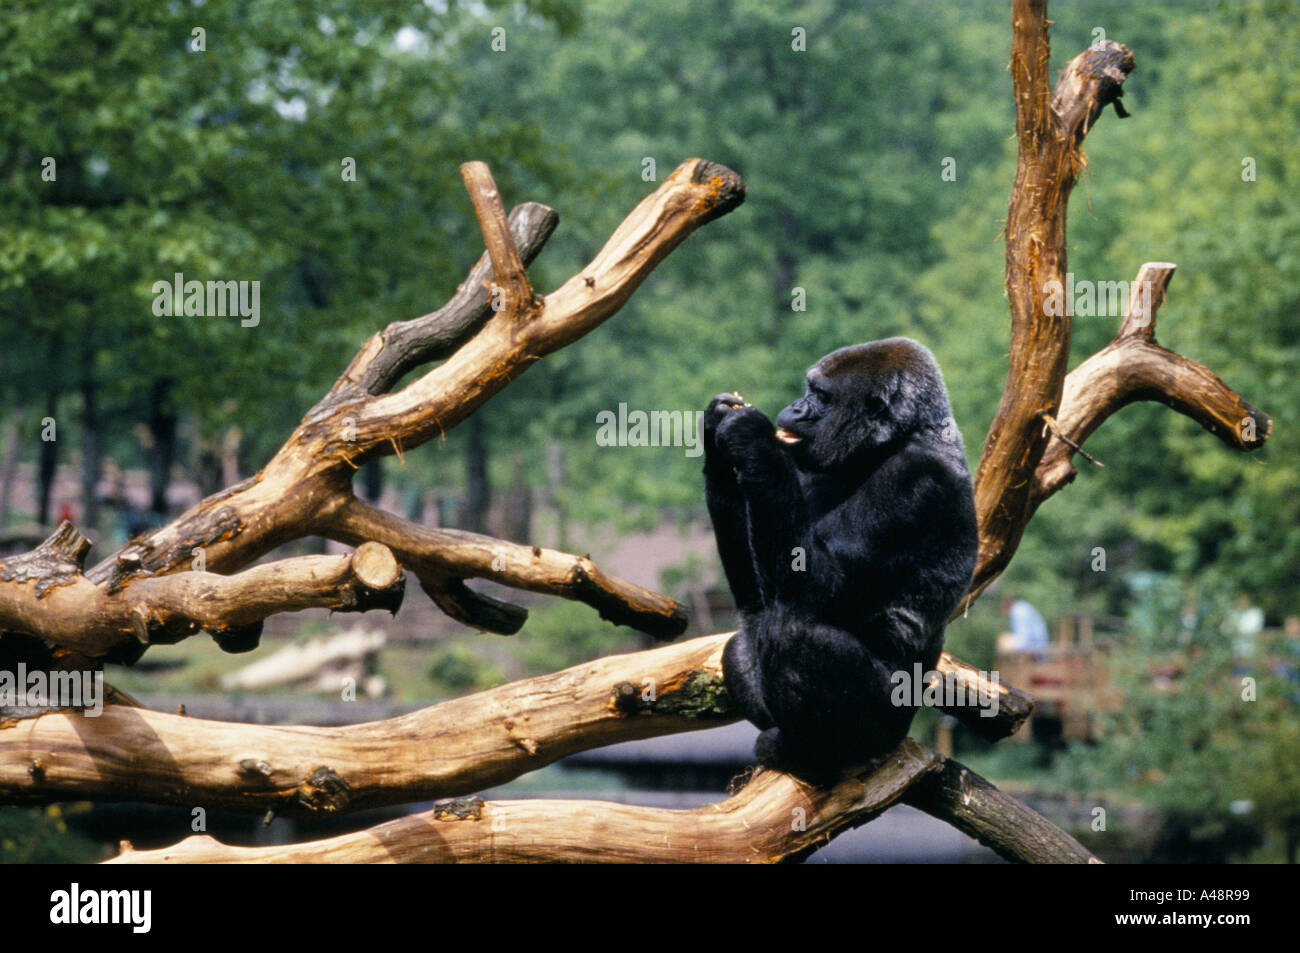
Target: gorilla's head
point(862, 399)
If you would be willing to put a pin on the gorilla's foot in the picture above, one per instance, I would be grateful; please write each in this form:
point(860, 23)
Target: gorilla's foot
point(774, 750)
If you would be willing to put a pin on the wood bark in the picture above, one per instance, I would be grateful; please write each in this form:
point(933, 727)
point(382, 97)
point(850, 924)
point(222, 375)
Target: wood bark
point(456, 747)
point(772, 818)
point(1023, 461)
point(971, 804)
point(1134, 367)
point(306, 488)
point(49, 594)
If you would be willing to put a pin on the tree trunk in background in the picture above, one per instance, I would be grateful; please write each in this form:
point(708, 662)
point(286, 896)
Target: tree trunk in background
point(49, 461)
point(230, 455)
point(207, 467)
point(8, 469)
point(372, 480)
point(91, 445)
point(786, 268)
point(162, 424)
point(478, 494)
point(519, 506)
point(554, 480)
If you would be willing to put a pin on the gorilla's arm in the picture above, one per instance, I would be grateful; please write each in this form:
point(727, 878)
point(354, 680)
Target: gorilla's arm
point(906, 539)
point(774, 501)
point(727, 509)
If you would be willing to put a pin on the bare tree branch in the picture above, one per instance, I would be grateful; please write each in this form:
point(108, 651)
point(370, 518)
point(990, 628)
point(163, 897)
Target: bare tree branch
point(41, 597)
point(452, 748)
point(773, 818)
point(442, 556)
point(1134, 367)
point(506, 266)
point(1050, 158)
point(404, 345)
point(456, 747)
point(965, 800)
point(308, 480)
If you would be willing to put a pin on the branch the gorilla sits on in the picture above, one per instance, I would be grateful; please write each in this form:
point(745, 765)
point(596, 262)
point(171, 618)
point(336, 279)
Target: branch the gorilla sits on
point(847, 535)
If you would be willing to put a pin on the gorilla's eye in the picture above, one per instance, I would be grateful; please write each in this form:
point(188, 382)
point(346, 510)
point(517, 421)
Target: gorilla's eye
point(874, 406)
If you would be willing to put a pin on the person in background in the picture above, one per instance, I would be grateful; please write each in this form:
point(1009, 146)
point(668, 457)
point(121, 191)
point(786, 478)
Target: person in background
point(1028, 628)
point(1244, 625)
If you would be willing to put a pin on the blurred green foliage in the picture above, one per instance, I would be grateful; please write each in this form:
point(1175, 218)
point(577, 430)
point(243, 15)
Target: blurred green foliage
point(455, 669)
point(1210, 738)
point(41, 835)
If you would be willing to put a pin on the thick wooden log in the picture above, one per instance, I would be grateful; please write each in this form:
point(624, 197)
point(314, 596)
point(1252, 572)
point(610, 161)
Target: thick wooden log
point(773, 818)
point(453, 748)
point(456, 747)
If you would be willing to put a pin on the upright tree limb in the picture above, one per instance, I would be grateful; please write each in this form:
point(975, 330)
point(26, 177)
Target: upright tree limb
point(1050, 132)
point(1023, 461)
point(506, 266)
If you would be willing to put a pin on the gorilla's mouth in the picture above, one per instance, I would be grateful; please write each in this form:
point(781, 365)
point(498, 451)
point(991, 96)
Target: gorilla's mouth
point(787, 437)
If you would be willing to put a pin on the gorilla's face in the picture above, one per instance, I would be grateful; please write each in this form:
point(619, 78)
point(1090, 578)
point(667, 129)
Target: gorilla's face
point(863, 398)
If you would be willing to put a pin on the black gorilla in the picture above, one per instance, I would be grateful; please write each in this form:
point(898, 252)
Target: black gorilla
point(847, 536)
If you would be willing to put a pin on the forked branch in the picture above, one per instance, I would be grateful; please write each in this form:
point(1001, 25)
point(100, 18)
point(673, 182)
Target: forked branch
point(305, 488)
point(1134, 367)
point(1023, 461)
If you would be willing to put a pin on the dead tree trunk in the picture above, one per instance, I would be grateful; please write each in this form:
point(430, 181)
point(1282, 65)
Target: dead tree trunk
point(52, 614)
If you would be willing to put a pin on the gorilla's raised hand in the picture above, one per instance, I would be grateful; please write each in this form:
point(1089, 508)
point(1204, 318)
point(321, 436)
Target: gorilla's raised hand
point(717, 411)
point(740, 431)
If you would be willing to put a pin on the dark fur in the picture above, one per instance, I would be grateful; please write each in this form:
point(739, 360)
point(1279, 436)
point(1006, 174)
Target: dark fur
point(878, 497)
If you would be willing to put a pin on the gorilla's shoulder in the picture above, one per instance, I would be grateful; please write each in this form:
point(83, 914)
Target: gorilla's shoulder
point(927, 474)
